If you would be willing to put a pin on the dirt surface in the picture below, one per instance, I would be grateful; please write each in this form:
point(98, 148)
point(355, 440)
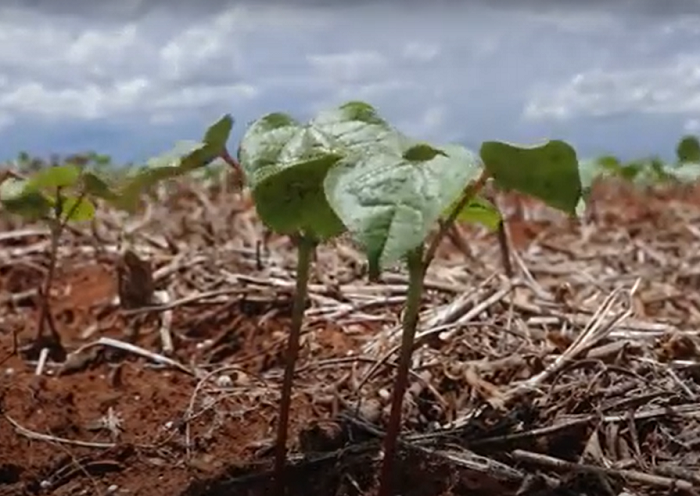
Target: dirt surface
point(578, 375)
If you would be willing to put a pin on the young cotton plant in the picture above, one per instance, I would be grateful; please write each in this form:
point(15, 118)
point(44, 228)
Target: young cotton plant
point(392, 198)
point(57, 195)
point(184, 158)
point(62, 194)
point(646, 172)
point(285, 164)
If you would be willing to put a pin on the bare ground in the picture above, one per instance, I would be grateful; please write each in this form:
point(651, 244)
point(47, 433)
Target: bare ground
point(579, 375)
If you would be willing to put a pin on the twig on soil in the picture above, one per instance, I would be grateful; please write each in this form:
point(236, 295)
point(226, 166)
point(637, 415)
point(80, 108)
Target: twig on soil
point(23, 431)
point(189, 413)
point(43, 355)
point(166, 338)
point(195, 298)
point(589, 337)
point(531, 434)
point(630, 475)
point(458, 311)
point(457, 455)
point(137, 350)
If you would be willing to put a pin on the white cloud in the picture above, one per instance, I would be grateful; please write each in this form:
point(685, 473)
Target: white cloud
point(574, 20)
point(459, 73)
point(197, 96)
point(92, 48)
point(421, 51)
point(56, 71)
point(86, 102)
point(689, 24)
point(348, 67)
point(692, 126)
point(430, 123)
point(215, 45)
point(377, 90)
point(671, 87)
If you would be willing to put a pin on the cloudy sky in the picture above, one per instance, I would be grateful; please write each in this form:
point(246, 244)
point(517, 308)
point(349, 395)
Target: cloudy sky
point(130, 78)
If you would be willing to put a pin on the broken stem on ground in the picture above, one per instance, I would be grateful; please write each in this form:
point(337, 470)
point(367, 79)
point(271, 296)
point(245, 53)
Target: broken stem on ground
point(305, 249)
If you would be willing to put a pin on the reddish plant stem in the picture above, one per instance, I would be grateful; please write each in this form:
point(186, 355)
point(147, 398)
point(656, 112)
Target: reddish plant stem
point(226, 157)
point(416, 270)
point(417, 267)
point(305, 249)
point(235, 165)
point(57, 226)
point(505, 249)
point(470, 191)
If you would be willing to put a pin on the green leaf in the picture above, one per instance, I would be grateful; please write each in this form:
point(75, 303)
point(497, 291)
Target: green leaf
point(50, 178)
point(77, 212)
point(292, 200)
point(357, 126)
point(18, 199)
point(285, 163)
point(389, 203)
point(548, 172)
point(217, 135)
point(688, 149)
point(631, 171)
point(184, 158)
point(422, 152)
point(95, 186)
point(481, 211)
point(610, 163)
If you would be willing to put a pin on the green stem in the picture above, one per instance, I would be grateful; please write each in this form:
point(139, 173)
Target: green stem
point(416, 272)
point(305, 250)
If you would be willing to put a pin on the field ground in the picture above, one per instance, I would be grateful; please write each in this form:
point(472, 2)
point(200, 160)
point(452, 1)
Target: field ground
point(576, 376)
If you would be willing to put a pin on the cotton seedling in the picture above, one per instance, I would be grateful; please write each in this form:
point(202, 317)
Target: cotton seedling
point(56, 195)
point(285, 164)
point(348, 169)
point(62, 194)
point(391, 199)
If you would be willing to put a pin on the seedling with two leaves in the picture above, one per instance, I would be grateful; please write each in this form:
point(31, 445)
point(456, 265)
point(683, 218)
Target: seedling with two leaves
point(68, 193)
point(349, 170)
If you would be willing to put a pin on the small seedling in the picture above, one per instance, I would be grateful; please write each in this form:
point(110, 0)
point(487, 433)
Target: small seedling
point(61, 194)
point(185, 157)
point(56, 195)
point(391, 199)
point(285, 164)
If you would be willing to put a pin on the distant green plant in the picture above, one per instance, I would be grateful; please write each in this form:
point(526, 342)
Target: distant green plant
point(61, 194)
point(648, 171)
point(56, 195)
point(688, 149)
